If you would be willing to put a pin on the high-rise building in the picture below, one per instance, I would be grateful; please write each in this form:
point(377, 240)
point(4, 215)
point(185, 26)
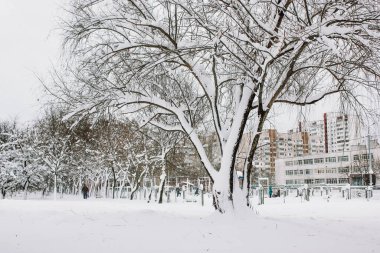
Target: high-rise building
point(272, 145)
point(336, 132)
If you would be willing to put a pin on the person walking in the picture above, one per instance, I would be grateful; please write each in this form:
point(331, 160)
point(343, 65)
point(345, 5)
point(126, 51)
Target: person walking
point(178, 191)
point(85, 191)
point(270, 191)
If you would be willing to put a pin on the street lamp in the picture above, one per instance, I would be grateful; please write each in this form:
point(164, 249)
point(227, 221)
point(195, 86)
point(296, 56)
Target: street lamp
point(369, 159)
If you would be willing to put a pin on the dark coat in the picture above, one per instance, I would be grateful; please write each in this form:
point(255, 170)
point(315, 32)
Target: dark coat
point(84, 189)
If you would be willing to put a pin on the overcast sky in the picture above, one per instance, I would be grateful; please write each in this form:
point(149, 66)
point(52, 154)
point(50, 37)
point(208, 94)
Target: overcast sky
point(29, 45)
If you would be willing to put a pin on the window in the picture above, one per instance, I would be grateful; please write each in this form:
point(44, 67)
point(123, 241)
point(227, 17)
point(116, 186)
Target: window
point(344, 170)
point(318, 160)
point(289, 163)
point(309, 181)
point(343, 180)
point(308, 172)
point(320, 171)
point(356, 157)
point(298, 162)
point(366, 156)
point(308, 161)
point(320, 181)
point(300, 172)
point(331, 170)
point(295, 172)
point(289, 182)
point(330, 159)
point(331, 181)
point(289, 172)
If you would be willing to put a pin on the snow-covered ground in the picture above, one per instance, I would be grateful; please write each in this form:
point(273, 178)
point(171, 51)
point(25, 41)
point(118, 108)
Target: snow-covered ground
point(73, 225)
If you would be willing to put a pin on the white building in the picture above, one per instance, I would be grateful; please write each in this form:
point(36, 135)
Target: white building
point(272, 145)
point(331, 168)
point(337, 132)
point(313, 169)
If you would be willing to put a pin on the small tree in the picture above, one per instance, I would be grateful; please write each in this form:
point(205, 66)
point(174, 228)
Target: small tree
point(9, 152)
point(166, 142)
point(53, 140)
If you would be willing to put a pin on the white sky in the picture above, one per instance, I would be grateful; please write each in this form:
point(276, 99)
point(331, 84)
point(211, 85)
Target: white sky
point(29, 45)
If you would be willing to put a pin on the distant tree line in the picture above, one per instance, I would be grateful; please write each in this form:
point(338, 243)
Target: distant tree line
point(55, 156)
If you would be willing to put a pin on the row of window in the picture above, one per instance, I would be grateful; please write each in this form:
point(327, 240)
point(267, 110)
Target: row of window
point(341, 170)
point(317, 181)
point(332, 159)
point(362, 157)
point(360, 170)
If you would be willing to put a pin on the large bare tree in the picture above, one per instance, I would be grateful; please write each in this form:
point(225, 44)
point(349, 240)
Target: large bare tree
point(218, 64)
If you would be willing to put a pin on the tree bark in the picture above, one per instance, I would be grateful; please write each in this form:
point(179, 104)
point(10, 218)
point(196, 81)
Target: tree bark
point(26, 185)
point(114, 182)
point(55, 186)
point(162, 183)
point(122, 184)
point(3, 192)
point(137, 184)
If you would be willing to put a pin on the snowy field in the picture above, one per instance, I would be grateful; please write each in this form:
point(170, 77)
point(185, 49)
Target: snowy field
point(73, 225)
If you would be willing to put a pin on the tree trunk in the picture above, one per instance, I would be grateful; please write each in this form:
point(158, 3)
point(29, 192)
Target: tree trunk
point(105, 185)
point(114, 182)
point(55, 186)
point(222, 199)
point(227, 195)
point(61, 190)
point(79, 185)
point(137, 183)
point(162, 184)
point(122, 184)
point(3, 192)
point(151, 189)
point(73, 187)
point(133, 191)
point(26, 185)
point(150, 194)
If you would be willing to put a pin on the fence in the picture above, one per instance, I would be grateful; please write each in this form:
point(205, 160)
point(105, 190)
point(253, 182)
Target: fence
point(306, 193)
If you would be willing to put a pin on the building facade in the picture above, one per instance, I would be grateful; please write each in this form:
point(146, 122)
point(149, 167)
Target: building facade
point(336, 132)
point(330, 168)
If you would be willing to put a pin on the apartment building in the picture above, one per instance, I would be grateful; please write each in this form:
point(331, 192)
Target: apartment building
point(330, 168)
point(336, 132)
point(272, 145)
